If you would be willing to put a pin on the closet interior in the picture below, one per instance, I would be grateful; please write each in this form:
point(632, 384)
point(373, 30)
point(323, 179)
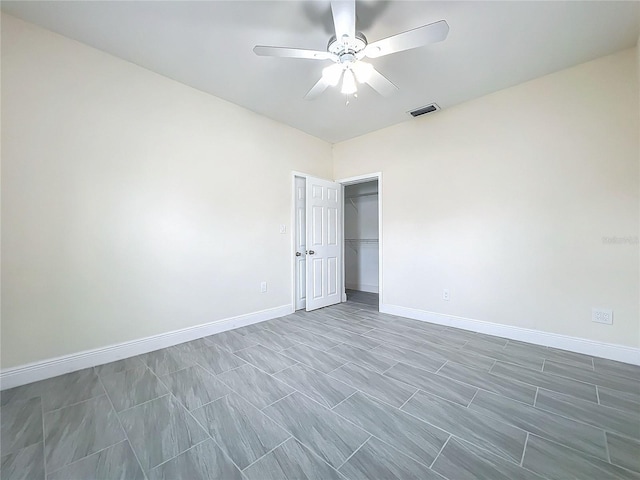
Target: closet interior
point(361, 242)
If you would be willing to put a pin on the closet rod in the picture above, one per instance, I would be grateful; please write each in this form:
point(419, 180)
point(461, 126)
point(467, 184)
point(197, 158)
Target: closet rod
point(361, 195)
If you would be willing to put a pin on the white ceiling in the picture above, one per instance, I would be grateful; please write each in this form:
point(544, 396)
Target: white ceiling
point(208, 45)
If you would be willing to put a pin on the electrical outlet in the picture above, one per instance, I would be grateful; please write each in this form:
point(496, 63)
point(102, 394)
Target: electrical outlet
point(283, 229)
point(445, 295)
point(602, 315)
point(263, 287)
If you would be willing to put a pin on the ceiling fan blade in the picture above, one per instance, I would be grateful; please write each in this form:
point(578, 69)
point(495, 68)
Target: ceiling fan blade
point(381, 84)
point(432, 33)
point(317, 89)
point(286, 52)
point(344, 18)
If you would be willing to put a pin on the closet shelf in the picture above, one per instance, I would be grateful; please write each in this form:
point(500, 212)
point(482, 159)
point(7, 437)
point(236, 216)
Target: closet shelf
point(362, 240)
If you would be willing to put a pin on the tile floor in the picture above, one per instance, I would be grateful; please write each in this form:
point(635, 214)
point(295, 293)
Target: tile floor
point(343, 392)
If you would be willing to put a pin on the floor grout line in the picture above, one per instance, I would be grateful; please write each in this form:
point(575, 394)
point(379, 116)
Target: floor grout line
point(181, 453)
point(407, 400)
point(606, 446)
point(124, 430)
point(204, 429)
point(267, 453)
point(436, 372)
point(124, 440)
point(441, 449)
point(354, 452)
point(473, 398)
point(524, 449)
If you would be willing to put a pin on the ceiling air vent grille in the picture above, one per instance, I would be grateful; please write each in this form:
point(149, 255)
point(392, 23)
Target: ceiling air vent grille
point(423, 110)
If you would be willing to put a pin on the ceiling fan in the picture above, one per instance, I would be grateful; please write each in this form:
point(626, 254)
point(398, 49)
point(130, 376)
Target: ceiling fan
point(348, 47)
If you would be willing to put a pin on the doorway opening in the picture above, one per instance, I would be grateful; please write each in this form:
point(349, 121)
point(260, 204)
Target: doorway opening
point(362, 253)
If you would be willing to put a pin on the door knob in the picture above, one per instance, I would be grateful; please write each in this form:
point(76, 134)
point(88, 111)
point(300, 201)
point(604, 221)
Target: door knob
point(311, 252)
point(298, 254)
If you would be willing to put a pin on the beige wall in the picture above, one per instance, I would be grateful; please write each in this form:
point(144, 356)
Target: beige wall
point(505, 201)
point(133, 205)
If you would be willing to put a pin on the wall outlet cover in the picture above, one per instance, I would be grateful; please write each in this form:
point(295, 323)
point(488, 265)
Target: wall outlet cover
point(602, 315)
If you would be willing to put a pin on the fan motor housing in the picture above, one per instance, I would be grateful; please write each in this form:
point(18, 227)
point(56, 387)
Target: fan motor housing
point(347, 45)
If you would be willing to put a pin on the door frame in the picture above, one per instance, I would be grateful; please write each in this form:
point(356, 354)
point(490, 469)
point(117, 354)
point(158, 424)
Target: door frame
point(292, 236)
point(352, 181)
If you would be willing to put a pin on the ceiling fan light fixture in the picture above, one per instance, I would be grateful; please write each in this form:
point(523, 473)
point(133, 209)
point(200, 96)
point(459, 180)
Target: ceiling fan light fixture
point(363, 71)
point(332, 73)
point(349, 86)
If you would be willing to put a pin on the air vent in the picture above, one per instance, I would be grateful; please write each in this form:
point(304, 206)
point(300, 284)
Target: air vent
point(423, 110)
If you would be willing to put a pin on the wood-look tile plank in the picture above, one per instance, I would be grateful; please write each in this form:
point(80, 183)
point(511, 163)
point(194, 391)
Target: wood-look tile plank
point(159, 430)
point(430, 382)
point(316, 385)
point(21, 425)
point(71, 388)
point(600, 416)
point(350, 338)
point(411, 436)
point(539, 422)
point(459, 356)
point(204, 461)
point(323, 361)
point(619, 369)
point(254, 385)
point(623, 401)
point(271, 340)
point(133, 387)
point(240, 429)
point(601, 379)
point(558, 462)
point(382, 387)
point(265, 359)
point(624, 452)
point(463, 461)
point(73, 432)
point(216, 360)
point(486, 381)
point(499, 438)
point(329, 436)
point(119, 366)
point(168, 360)
point(25, 464)
point(377, 460)
point(545, 380)
point(231, 341)
point(300, 335)
point(116, 462)
point(364, 358)
point(291, 461)
point(498, 353)
point(384, 336)
point(194, 386)
point(421, 360)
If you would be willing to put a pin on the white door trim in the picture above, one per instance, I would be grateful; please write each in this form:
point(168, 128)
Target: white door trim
point(361, 179)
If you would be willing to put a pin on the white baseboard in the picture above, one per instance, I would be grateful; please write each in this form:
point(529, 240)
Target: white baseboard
point(362, 287)
point(611, 351)
point(16, 376)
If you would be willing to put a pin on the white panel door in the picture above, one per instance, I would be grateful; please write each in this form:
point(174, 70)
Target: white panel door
point(324, 233)
point(300, 240)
